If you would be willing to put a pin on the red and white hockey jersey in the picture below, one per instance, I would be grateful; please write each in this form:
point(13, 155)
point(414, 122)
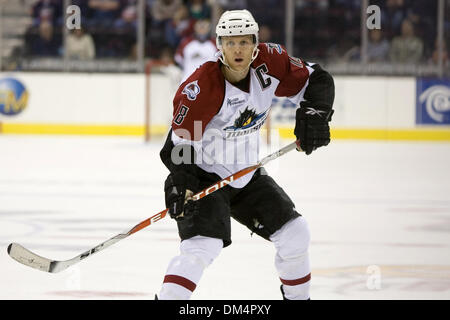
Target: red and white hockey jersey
point(191, 53)
point(222, 121)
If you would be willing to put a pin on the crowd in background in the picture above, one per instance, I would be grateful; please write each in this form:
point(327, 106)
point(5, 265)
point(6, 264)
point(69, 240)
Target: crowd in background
point(325, 30)
point(109, 27)
point(331, 30)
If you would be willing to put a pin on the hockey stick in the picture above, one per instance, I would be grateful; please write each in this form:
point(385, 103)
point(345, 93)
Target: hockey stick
point(30, 259)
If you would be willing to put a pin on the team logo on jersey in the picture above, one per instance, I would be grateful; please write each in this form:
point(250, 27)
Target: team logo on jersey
point(248, 121)
point(274, 46)
point(191, 90)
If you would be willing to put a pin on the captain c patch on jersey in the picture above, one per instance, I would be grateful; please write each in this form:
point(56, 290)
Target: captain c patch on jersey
point(248, 121)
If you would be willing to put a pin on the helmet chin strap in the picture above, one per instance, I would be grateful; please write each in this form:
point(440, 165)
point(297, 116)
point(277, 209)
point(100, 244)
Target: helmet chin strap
point(237, 72)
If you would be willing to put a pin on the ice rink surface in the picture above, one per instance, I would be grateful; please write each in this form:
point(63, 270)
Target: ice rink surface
point(379, 214)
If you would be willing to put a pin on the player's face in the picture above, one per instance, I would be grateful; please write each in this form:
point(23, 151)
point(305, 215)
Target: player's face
point(238, 51)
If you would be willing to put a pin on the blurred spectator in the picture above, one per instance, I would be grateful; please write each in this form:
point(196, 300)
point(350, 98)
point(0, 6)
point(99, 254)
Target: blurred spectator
point(406, 48)
point(265, 34)
point(104, 12)
point(169, 68)
point(47, 10)
point(423, 14)
point(233, 4)
point(80, 45)
point(199, 9)
point(182, 25)
point(435, 55)
point(320, 4)
point(46, 43)
point(128, 15)
point(377, 47)
point(133, 54)
point(164, 10)
point(345, 50)
point(197, 49)
point(268, 12)
point(167, 56)
point(393, 12)
point(159, 24)
point(84, 8)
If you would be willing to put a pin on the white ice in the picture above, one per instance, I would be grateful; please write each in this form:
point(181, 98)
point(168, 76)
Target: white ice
point(379, 214)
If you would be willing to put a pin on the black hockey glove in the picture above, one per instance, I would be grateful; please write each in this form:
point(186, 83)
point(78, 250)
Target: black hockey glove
point(179, 188)
point(311, 127)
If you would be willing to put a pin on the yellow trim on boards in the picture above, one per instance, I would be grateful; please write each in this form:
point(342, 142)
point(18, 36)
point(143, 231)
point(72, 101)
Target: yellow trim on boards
point(79, 129)
point(416, 134)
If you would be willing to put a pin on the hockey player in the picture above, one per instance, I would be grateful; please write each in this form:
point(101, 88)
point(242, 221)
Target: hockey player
point(196, 49)
point(218, 111)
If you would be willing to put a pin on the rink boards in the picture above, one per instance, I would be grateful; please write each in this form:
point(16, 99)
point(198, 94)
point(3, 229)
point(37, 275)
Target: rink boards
point(386, 108)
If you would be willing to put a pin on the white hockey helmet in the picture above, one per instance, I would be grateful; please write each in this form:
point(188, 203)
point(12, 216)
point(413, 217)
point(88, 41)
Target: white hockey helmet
point(236, 23)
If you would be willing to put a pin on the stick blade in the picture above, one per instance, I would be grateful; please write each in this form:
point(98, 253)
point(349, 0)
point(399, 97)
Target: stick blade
point(28, 258)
